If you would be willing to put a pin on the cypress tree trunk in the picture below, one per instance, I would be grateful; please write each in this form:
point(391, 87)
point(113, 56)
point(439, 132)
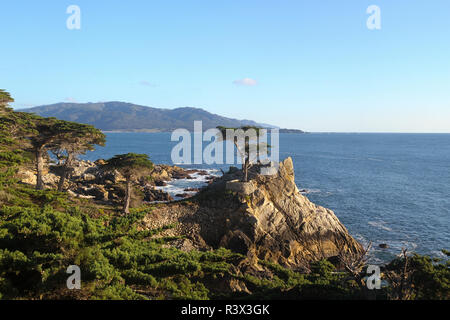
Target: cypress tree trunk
point(65, 173)
point(246, 165)
point(62, 179)
point(126, 206)
point(39, 168)
point(243, 160)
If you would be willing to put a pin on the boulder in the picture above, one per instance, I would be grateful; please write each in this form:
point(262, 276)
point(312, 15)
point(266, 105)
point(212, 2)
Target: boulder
point(88, 177)
point(81, 167)
point(244, 188)
point(160, 173)
point(100, 162)
point(51, 179)
point(98, 191)
point(27, 177)
point(160, 183)
point(76, 195)
point(184, 244)
point(155, 195)
point(183, 195)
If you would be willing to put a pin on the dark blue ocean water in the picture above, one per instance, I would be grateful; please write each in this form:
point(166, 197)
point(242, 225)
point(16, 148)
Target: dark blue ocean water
point(385, 188)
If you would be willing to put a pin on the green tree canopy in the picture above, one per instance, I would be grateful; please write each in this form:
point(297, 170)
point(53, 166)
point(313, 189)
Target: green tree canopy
point(74, 139)
point(5, 98)
point(246, 141)
point(131, 166)
point(51, 133)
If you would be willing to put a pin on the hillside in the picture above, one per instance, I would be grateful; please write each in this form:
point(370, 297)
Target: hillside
point(121, 116)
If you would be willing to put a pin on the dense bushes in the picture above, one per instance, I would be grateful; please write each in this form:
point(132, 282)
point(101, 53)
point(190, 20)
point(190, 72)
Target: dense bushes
point(118, 260)
point(37, 244)
point(419, 277)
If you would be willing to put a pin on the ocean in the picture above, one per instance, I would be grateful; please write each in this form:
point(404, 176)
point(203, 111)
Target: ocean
point(385, 188)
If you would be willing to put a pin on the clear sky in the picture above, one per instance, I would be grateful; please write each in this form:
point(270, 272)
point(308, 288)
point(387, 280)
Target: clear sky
point(310, 65)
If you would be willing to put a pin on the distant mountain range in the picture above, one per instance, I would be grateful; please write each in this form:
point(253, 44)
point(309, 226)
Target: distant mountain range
point(126, 117)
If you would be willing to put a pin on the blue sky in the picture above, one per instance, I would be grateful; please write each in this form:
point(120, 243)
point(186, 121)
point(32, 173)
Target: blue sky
point(310, 65)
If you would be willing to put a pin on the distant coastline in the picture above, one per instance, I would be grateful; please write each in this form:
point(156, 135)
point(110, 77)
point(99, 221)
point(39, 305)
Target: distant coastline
point(291, 131)
point(295, 131)
point(122, 117)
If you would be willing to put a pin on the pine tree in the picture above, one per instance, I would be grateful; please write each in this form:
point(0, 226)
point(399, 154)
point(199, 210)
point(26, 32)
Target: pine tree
point(131, 166)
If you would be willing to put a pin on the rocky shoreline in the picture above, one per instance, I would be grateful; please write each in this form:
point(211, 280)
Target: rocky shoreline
point(266, 218)
point(90, 181)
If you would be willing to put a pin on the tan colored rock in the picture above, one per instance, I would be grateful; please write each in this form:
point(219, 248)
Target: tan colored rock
point(27, 176)
point(244, 188)
point(98, 191)
point(288, 222)
point(266, 218)
point(76, 195)
point(100, 162)
point(82, 167)
point(88, 177)
point(50, 179)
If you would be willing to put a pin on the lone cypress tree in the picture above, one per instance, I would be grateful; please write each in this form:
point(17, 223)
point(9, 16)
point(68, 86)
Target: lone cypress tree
point(244, 144)
point(131, 166)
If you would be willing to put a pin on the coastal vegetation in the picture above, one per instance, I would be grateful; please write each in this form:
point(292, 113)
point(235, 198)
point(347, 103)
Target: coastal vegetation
point(73, 139)
point(132, 166)
point(44, 231)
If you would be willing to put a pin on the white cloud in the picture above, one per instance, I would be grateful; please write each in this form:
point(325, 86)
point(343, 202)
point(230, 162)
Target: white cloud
point(245, 82)
point(147, 84)
point(70, 99)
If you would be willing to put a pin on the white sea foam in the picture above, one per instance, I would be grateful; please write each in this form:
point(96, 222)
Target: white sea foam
point(374, 159)
point(308, 191)
point(380, 225)
point(439, 254)
point(178, 186)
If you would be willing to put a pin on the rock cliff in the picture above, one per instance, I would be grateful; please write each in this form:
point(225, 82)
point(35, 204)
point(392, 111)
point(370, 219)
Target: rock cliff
point(266, 218)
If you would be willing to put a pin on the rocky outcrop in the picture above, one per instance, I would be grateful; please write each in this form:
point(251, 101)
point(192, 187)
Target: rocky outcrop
point(28, 176)
point(266, 218)
point(89, 180)
point(154, 195)
point(168, 173)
